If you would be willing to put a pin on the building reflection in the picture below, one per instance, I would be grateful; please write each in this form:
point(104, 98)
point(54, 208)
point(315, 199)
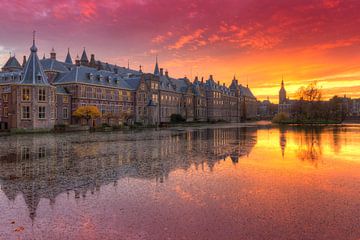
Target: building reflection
point(48, 165)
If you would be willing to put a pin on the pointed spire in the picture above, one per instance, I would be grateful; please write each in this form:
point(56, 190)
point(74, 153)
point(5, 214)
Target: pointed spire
point(44, 57)
point(33, 48)
point(68, 59)
point(156, 70)
point(34, 73)
point(84, 59)
point(128, 64)
point(140, 70)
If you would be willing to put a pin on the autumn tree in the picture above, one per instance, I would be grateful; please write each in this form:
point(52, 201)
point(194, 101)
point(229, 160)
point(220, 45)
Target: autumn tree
point(87, 113)
point(310, 93)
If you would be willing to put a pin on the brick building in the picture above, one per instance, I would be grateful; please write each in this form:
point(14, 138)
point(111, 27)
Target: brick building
point(40, 94)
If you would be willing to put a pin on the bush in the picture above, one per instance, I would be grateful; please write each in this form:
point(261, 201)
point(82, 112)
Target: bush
point(281, 118)
point(176, 118)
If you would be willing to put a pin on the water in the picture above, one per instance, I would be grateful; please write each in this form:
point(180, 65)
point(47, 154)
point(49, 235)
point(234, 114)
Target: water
point(254, 182)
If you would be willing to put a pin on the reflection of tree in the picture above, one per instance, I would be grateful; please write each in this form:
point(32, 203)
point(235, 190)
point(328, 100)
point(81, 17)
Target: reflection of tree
point(45, 166)
point(310, 146)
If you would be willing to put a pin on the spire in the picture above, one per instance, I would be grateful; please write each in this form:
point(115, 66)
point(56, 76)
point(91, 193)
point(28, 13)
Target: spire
point(34, 73)
point(12, 64)
point(84, 59)
point(282, 81)
point(33, 48)
point(128, 63)
point(156, 71)
point(44, 57)
point(140, 70)
point(68, 59)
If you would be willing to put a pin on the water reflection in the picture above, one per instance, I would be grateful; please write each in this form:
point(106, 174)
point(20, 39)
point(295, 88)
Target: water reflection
point(45, 166)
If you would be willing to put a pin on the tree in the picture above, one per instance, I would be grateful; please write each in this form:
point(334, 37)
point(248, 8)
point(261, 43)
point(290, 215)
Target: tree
point(310, 93)
point(87, 113)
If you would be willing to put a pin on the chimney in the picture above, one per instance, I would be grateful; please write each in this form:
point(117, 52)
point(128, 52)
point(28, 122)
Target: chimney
point(92, 60)
point(219, 83)
point(211, 77)
point(224, 84)
point(161, 71)
point(77, 61)
point(202, 79)
point(166, 73)
point(196, 78)
point(53, 54)
point(24, 61)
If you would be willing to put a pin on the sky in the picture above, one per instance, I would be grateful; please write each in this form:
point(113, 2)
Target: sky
point(258, 41)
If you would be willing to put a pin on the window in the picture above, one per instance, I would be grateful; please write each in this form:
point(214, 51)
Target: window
point(66, 99)
point(26, 94)
point(5, 97)
point(6, 111)
point(42, 110)
point(42, 96)
point(25, 112)
point(65, 113)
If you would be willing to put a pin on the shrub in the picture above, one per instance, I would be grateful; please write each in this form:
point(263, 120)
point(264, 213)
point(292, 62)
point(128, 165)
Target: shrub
point(281, 118)
point(176, 118)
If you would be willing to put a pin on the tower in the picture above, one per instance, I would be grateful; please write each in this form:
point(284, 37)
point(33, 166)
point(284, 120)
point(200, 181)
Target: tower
point(282, 93)
point(53, 54)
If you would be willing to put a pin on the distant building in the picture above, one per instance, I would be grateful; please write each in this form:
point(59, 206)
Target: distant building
point(266, 109)
point(40, 94)
point(284, 102)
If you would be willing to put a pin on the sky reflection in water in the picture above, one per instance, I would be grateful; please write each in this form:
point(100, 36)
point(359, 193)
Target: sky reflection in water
point(220, 183)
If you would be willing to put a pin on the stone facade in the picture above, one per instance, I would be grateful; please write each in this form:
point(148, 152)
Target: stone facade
point(56, 89)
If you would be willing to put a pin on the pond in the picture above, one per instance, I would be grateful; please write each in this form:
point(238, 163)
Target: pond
point(220, 182)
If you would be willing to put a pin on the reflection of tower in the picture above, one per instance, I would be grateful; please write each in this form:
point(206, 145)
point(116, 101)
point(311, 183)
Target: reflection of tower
point(282, 140)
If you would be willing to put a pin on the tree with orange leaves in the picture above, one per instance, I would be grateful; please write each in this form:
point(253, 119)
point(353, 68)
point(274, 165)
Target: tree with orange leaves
point(87, 113)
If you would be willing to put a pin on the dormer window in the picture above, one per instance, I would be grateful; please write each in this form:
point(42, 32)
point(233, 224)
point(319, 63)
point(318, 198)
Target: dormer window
point(39, 77)
point(100, 77)
point(109, 78)
point(91, 76)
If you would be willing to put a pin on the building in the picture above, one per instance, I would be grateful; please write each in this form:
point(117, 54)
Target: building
point(40, 94)
point(284, 102)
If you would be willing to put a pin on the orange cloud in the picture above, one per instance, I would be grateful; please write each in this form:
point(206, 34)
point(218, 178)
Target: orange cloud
point(187, 39)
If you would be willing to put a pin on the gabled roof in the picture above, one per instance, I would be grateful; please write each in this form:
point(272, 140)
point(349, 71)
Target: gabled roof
point(245, 91)
point(34, 73)
point(181, 84)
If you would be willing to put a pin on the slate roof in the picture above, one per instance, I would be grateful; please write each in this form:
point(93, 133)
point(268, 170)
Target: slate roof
point(68, 59)
point(33, 72)
point(61, 90)
point(53, 65)
point(245, 91)
point(12, 62)
point(84, 57)
point(181, 84)
point(87, 75)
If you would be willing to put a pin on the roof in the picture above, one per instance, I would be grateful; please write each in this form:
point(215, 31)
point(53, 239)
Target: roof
point(88, 75)
point(245, 91)
point(33, 72)
point(12, 62)
point(84, 57)
point(68, 59)
point(61, 90)
point(53, 65)
point(181, 84)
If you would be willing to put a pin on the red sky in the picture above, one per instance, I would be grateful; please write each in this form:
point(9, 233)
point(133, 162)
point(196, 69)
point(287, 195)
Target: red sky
point(258, 40)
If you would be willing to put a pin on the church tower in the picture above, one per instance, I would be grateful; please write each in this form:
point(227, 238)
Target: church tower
point(282, 93)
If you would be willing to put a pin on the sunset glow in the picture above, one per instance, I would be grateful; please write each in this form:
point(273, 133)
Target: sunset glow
point(257, 40)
